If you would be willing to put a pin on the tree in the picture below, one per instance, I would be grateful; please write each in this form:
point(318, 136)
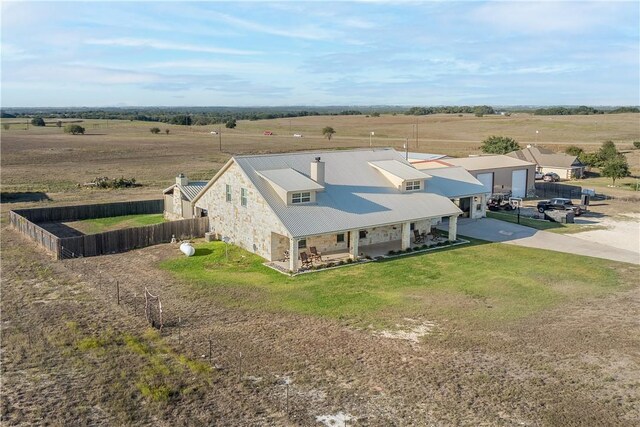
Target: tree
point(181, 119)
point(74, 129)
point(375, 114)
point(230, 124)
point(572, 150)
point(154, 130)
point(166, 131)
point(59, 123)
point(499, 145)
point(616, 168)
point(38, 121)
point(636, 144)
point(328, 132)
point(607, 151)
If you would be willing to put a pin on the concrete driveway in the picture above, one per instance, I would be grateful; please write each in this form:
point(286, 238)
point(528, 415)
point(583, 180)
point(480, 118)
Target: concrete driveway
point(494, 230)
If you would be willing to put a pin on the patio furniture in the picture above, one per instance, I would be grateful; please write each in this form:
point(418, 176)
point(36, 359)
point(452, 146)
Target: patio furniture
point(417, 237)
point(286, 256)
point(315, 255)
point(306, 261)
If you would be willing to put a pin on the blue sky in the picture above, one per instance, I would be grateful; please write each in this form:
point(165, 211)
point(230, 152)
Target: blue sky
point(320, 53)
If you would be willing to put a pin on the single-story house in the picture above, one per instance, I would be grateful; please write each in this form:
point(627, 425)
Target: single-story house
point(498, 173)
point(350, 201)
point(565, 165)
point(178, 199)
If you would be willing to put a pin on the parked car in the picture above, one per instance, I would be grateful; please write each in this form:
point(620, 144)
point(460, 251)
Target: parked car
point(297, 135)
point(539, 175)
point(551, 177)
point(267, 132)
point(559, 204)
point(214, 132)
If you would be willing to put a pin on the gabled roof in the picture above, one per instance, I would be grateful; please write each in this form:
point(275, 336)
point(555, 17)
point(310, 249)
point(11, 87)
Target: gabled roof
point(190, 190)
point(545, 157)
point(290, 180)
point(431, 164)
point(454, 182)
point(424, 156)
point(355, 194)
point(488, 162)
point(401, 170)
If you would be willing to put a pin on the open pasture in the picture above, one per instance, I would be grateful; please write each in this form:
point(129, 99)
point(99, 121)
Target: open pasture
point(47, 159)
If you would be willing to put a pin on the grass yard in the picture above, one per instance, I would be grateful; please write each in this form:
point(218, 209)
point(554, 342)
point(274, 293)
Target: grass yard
point(100, 225)
point(488, 283)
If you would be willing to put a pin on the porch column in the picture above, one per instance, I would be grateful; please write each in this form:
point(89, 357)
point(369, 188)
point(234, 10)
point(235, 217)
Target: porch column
point(293, 254)
point(355, 237)
point(453, 227)
point(406, 235)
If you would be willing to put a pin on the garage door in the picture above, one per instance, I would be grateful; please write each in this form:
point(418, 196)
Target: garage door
point(519, 183)
point(487, 180)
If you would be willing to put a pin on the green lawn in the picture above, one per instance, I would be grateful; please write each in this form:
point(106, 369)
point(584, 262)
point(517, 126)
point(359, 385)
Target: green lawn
point(554, 227)
point(481, 282)
point(100, 225)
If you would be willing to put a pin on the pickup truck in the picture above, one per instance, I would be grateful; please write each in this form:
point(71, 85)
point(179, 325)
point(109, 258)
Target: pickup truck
point(559, 204)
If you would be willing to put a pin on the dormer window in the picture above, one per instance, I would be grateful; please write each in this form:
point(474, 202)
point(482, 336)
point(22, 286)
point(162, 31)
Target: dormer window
point(412, 185)
point(301, 197)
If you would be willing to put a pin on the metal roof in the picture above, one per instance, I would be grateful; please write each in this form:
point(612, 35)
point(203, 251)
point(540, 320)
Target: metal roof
point(425, 156)
point(545, 157)
point(488, 162)
point(190, 190)
point(454, 182)
point(401, 170)
point(356, 195)
point(290, 180)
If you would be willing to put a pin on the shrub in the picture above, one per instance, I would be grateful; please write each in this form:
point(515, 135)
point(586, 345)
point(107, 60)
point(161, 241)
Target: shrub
point(349, 261)
point(636, 144)
point(166, 131)
point(499, 145)
point(392, 252)
point(38, 121)
point(105, 182)
point(424, 247)
point(74, 129)
point(574, 151)
point(154, 131)
point(331, 264)
point(341, 262)
point(408, 250)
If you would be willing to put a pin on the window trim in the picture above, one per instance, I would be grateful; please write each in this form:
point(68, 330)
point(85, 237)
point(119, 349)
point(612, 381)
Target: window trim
point(302, 244)
point(412, 185)
point(244, 197)
point(301, 197)
point(228, 193)
point(340, 238)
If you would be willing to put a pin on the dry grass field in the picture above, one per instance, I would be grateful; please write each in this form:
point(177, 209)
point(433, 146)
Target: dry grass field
point(498, 347)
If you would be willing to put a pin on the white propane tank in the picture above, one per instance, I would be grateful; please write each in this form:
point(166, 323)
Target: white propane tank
point(187, 249)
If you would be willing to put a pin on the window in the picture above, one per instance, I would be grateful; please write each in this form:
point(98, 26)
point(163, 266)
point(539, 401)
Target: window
point(340, 238)
point(243, 196)
point(228, 191)
point(412, 185)
point(362, 234)
point(300, 197)
point(302, 244)
point(412, 226)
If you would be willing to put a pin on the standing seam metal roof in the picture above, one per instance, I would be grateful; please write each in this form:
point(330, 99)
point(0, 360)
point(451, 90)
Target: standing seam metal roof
point(356, 195)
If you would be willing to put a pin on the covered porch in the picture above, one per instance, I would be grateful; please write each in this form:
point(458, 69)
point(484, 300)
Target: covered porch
point(373, 242)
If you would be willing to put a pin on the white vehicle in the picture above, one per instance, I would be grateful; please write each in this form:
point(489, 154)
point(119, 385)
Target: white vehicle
point(214, 132)
point(297, 135)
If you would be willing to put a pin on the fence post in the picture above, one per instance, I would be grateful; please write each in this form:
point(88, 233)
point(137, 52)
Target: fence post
point(118, 291)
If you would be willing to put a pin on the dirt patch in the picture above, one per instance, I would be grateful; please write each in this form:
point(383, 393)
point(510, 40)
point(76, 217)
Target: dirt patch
point(413, 331)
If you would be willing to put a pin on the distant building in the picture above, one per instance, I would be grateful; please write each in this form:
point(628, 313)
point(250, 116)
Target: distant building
point(178, 197)
point(565, 165)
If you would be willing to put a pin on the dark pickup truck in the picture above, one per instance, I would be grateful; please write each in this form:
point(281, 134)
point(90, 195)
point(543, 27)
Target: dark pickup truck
point(559, 204)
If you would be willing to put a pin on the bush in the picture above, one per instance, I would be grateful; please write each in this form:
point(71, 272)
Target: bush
point(499, 145)
point(74, 129)
point(105, 182)
point(408, 250)
point(424, 247)
point(636, 144)
point(154, 131)
point(349, 260)
point(38, 121)
point(230, 124)
point(392, 252)
point(574, 151)
point(166, 131)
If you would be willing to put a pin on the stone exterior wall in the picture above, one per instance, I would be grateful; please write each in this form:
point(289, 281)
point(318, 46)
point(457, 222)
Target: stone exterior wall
point(250, 226)
point(177, 201)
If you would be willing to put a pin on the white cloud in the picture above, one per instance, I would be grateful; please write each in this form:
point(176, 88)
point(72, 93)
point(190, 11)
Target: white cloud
point(161, 45)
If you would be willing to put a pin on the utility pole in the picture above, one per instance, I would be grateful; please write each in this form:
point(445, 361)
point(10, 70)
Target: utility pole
point(406, 149)
point(416, 132)
point(220, 137)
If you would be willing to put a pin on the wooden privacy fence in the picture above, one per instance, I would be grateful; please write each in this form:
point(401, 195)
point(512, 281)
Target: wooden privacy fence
point(126, 239)
point(26, 221)
point(103, 210)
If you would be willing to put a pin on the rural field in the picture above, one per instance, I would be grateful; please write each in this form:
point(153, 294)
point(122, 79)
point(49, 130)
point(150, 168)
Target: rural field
point(478, 334)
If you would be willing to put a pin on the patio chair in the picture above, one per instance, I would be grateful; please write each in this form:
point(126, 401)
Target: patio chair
point(306, 261)
point(417, 237)
point(315, 255)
